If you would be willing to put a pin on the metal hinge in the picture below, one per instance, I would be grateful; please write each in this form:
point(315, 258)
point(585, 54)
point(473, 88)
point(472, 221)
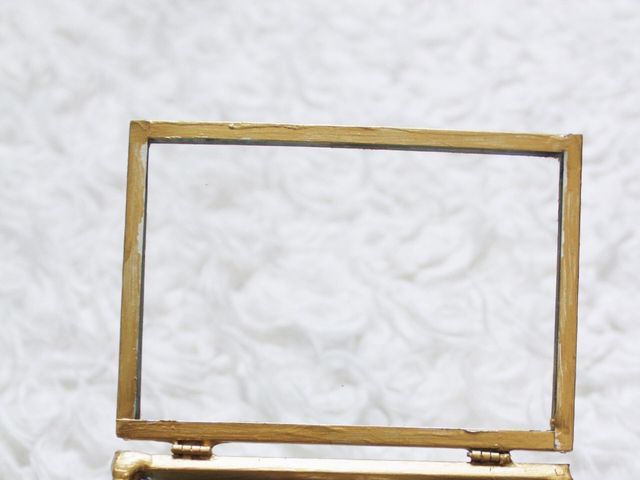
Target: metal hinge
point(487, 457)
point(191, 450)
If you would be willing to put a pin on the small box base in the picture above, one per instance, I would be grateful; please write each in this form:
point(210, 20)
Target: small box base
point(134, 465)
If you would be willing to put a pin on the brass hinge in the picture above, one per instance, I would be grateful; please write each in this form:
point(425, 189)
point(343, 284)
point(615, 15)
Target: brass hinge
point(487, 457)
point(192, 450)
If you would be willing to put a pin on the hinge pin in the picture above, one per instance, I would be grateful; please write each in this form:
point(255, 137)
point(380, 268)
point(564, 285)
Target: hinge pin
point(192, 451)
point(482, 457)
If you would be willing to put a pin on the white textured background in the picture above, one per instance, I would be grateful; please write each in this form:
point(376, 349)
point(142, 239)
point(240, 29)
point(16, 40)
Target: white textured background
point(72, 75)
point(342, 286)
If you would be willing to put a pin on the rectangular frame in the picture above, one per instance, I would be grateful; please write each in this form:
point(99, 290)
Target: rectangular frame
point(568, 150)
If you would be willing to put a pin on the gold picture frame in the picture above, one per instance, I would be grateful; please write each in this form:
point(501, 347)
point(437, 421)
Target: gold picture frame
point(568, 150)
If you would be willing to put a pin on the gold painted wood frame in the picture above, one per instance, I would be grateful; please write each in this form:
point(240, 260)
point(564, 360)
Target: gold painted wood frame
point(568, 150)
point(134, 465)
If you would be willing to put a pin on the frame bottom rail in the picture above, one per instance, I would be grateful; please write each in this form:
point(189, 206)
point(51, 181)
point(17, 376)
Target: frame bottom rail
point(129, 465)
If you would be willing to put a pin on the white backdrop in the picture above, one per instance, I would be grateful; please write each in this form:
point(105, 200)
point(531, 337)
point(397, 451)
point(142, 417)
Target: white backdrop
point(73, 74)
point(344, 286)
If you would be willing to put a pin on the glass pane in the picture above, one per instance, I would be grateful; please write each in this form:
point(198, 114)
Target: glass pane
point(340, 286)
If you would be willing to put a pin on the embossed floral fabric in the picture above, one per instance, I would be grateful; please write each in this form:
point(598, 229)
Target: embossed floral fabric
point(336, 285)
